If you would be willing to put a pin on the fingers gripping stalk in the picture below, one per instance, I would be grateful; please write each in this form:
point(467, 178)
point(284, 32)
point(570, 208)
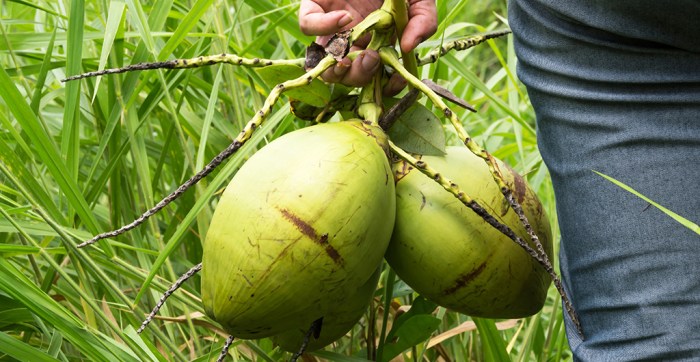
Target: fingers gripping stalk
point(244, 136)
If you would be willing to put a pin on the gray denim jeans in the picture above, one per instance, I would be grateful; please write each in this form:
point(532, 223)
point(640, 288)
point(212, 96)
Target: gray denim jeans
point(615, 85)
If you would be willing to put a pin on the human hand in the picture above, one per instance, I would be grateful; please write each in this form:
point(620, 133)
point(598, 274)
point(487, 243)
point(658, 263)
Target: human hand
point(324, 18)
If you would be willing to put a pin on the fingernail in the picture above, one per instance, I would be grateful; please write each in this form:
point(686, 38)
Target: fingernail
point(341, 68)
point(345, 20)
point(418, 41)
point(370, 61)
point(413, 45)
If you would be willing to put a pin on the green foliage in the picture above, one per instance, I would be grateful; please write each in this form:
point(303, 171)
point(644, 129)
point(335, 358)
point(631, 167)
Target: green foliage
point(410, 328)
point(88, 156)
point(317, 94)
point(418, 130)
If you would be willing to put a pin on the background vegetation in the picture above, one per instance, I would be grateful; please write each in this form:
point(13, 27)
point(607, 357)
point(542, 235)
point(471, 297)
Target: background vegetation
point(85, 157)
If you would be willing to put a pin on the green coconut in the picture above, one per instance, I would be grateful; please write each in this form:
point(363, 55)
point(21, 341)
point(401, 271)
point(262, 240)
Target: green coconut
point(336, 322)
point(451, 256)
point(301, 226)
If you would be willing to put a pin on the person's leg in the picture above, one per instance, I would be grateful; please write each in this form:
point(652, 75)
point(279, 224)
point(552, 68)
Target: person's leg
point(630, 109)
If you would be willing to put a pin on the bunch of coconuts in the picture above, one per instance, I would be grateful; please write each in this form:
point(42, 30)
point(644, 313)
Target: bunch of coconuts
point(296, 243)
point(300, 232)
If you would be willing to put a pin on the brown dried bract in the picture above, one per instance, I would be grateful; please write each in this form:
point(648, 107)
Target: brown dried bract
point(393, 114)
point(314, 54)
point(444, 93)
point(339, 45)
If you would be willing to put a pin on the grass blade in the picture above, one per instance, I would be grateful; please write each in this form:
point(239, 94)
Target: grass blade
point(18, 287)
point(70, 133)
point(116, 12)
point(680, 219)
point(22, 351)
point(46, 149)
point(494, 345)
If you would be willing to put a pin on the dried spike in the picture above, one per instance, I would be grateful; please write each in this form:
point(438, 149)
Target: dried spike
point(183, 278)
point(139, 66)
point(200, 61)
point(224, 350)
point(243, 137)
point(213, 164)
point(315, 331)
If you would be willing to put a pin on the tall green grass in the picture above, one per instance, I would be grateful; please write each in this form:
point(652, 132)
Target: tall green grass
point(85, 157)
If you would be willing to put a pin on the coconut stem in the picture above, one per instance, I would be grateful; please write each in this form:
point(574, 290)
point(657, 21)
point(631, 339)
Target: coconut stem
point(400, 12)
point(244, 136)
point(392, 115)
point(454, 189)
point(183, 278)
point(370, 108)
point(200, 61)
point(370, 101)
